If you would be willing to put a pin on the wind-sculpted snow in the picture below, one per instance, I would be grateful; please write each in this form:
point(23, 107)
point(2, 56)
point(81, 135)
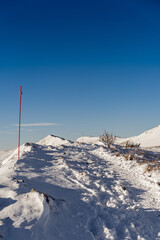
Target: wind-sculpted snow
point(76, 191)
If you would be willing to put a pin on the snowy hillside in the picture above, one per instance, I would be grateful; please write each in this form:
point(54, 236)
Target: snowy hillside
point(150, 138)
point(60, 190)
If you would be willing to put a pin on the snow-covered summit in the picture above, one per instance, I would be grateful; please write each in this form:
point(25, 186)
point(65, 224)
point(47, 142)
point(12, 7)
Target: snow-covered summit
point(54, 141)
point(150, 138)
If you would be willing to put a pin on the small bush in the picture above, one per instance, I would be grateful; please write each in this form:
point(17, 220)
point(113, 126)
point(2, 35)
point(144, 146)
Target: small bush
point(108, 139)
point(130, 144)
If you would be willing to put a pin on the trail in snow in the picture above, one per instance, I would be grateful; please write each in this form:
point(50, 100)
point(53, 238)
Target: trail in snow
point(121, 203)
point(79, 191)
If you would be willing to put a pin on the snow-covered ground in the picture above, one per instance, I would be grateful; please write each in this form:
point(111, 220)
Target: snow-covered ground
point(72, 191)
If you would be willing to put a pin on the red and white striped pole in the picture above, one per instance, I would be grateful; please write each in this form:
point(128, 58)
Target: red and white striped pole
point(19, 122)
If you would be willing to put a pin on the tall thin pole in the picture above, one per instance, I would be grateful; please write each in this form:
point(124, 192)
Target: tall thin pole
point(19, 122)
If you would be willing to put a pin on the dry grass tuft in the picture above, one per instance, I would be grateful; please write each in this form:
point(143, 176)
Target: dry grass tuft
point(130, 144)
point(129, 156)
point(143, 161)
point(149, 168)
point(117, 154)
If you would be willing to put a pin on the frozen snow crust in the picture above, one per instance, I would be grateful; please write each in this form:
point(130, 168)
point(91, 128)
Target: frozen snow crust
point(60, 190)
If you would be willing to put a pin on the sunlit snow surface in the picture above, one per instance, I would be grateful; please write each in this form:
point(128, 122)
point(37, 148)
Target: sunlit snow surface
point(62, 191)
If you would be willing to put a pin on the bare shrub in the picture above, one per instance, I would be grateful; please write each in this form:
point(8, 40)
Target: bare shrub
point(108, 139)
point(130, 144)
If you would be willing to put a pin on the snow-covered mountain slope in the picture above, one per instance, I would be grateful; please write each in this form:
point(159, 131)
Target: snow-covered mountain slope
point(53, 141)
point(150, 138)
point(76, 191)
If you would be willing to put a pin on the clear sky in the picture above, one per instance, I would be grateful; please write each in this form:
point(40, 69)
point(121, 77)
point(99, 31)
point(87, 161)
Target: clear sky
point(84, 67)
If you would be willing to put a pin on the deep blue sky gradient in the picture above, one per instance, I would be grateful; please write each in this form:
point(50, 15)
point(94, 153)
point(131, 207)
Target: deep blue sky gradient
point(87, 65)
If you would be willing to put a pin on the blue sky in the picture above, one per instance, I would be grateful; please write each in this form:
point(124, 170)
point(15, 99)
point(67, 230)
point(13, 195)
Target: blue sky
point(86, 66)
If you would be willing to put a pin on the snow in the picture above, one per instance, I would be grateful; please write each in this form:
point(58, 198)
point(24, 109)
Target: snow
point(90, 140)
point(150, 138)
point(62, 190)
point(54, 141)
point(5, 153)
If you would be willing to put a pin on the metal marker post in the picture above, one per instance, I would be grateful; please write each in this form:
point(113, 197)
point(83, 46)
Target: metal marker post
point(19, 122)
